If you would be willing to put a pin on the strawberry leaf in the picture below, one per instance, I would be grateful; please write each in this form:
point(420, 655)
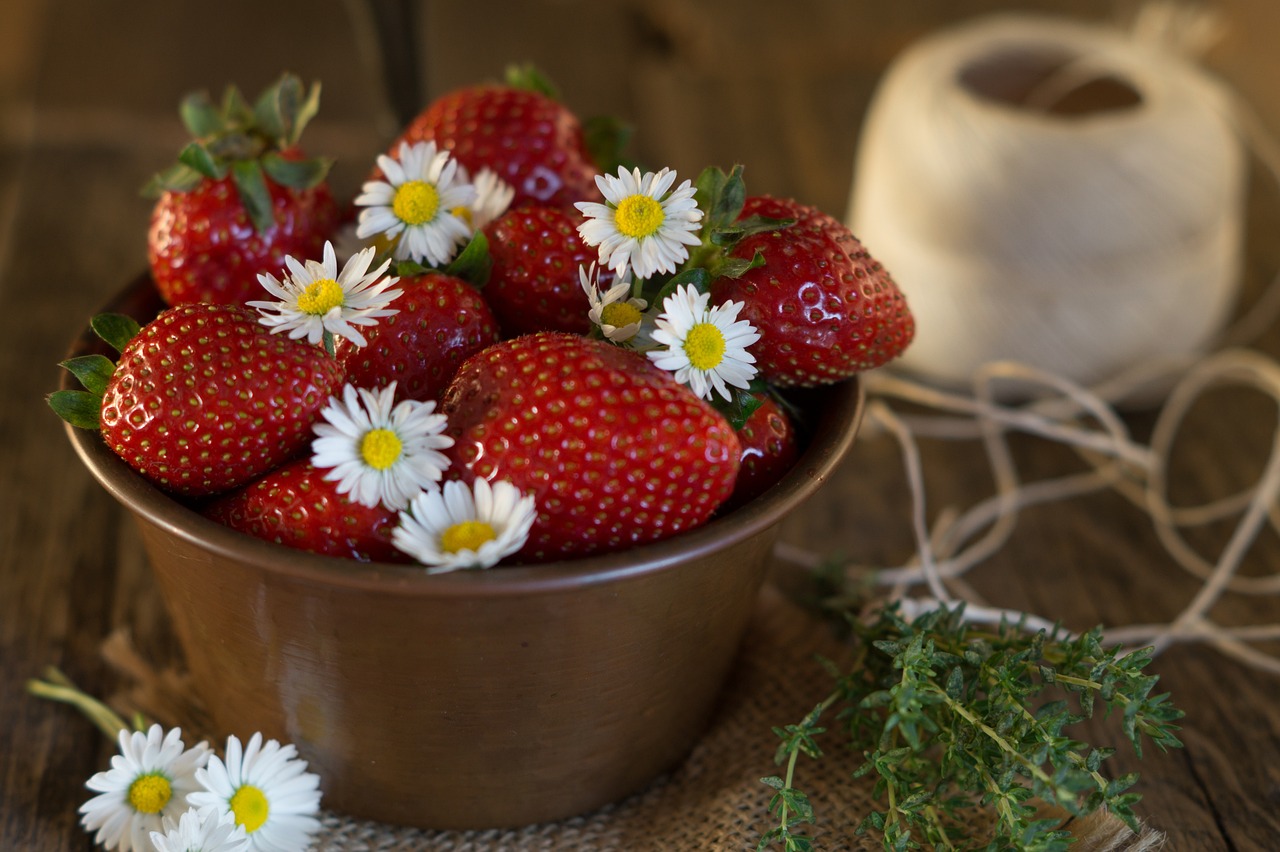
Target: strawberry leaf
point(738, 408)
point(199, 115)
point(296, 174)
point(254, 195)
point(282, 111)
point(92, 371)
point(720, 196)
point(697, 276)
point(473, 263)
point(79, 408)
point(235, 109)
point(410, 269)
point(735, 267)
point(116, 329)
point(530, 78)
point(197, 158)
point(176, 178)
point(606, 137)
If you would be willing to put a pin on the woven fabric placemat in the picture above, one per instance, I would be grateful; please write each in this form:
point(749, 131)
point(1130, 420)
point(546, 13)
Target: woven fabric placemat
point(712, 801)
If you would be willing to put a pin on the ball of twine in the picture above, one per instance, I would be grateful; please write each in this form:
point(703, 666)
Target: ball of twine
point(1055, 193)
point(1053, 281)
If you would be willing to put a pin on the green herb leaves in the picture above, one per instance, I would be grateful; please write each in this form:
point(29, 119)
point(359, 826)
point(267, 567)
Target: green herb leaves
point(950, 717)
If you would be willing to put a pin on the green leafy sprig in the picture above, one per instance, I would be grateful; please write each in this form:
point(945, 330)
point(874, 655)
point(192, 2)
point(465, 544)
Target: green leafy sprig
point(950, 717)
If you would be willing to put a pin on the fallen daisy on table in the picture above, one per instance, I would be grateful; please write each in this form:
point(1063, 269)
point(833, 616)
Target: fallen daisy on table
point(151, 779)
point(201, 832)
point(266, 789)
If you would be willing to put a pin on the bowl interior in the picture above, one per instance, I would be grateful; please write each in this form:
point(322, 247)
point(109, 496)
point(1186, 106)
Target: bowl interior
point(831, 416)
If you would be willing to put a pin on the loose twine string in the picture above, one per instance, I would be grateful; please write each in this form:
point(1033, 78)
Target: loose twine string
point(1086, 419)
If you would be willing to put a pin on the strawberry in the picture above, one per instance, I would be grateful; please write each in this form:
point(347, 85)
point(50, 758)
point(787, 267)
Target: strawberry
point(824, 307)
point(442, 320)
point(297, 507)
point(527, 137)
point(615, 452)
point(241, 198)
point(204, 399)
point(769, 449)
point(534, 284)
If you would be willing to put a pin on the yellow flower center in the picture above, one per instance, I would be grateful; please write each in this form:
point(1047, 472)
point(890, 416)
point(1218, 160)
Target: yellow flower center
point(320, 297)
point(464, 213)
point(468, 535)
point(416, 202)
point(638, 216)
point(704, 344)
point(380, 448)
point(619, 314)
point(250, 807)
point(150, 793)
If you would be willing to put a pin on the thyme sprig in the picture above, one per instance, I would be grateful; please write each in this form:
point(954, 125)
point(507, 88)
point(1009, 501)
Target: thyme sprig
point(950, 717)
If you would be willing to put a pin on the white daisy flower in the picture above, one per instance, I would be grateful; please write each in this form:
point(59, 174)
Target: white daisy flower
point(380, 451)
point(415, 204)
point(616, 313)
point(493, 197)
point(150, 779)
point(640, 225)
point(705, 347)
point(266, 789)
point(458, 527)
point(196, 832)
point(315, 299)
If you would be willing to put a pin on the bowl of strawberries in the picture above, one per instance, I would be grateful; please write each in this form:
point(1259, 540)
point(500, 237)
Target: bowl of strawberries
point(469, 498)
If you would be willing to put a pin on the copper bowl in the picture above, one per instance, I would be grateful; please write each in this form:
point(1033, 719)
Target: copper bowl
point(476, 699)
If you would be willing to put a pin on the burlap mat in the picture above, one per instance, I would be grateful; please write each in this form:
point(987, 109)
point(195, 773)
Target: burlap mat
point(713, 801)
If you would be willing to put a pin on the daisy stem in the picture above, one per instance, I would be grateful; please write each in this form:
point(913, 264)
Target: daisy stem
point(328, 343)
point(58, 687)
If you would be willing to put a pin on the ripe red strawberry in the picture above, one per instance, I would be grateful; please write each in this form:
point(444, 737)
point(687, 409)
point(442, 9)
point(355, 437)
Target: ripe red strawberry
point(824, 307)
point(241, 198)
point(615, 452)
point(442, 320)
point(297, 507)
point(769, 449)
point(534, 284)
point(205, 399)
point(530, 140)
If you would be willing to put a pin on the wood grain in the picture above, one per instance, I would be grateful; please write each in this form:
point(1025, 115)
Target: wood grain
point(87, 112)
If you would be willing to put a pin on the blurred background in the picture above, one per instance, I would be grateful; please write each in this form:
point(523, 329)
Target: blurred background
point(88, 112)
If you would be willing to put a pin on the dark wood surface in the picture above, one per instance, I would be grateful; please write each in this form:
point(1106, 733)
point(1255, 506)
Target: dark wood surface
point(87, 112)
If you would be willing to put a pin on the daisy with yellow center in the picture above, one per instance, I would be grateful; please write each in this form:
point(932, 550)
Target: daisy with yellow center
point(705, 347)
point(615, 313)
point(642, 225)
point(459, 527)
point(267, 791)
point(316, 301)
point(381, 451)
point(149, 780)
point(493, 197)
point(196, 832)
point(417, 203)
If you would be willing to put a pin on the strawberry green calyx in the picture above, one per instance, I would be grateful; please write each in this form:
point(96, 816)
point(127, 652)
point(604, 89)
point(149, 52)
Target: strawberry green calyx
point(530, 78)
point(249, 143)
point(473, 264)
point(722, 197)
point(82, 408)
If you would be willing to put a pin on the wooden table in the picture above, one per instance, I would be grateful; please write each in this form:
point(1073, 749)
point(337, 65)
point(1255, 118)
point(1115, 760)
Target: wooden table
point(87, 112)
